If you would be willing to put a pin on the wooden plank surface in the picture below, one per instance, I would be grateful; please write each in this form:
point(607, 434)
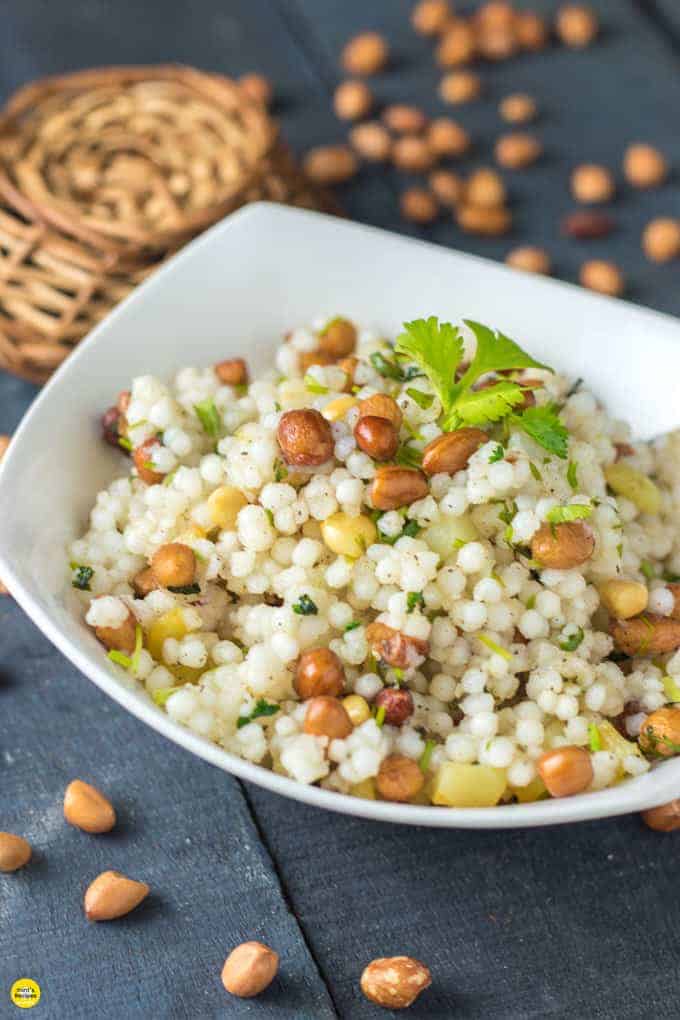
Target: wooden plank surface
point(561, 923)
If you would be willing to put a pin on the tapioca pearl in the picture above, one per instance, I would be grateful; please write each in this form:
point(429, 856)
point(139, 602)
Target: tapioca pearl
point(340, 614)
point(545, 679)
point(470, 616)
point(307, 552)
point(455, 502)
point(443, 687)
point(303, 340)
point(441, 723)
point(497, 666)
point(605, 768)
point(391, 524)
point(501, 476)
point(566, 707)
point(285, 647)
point(514, 576)
point(484, 725)
point(661, 601)
point(521, 772)
point(488, 590)
point(339, 573)
point(476, 703)
point(443, 632)
point(577, 730)
point(651, 701)
point(225, 653)
point(182, 703)
point(349, 490)
point(472, 557)
point(192, 652)
point(360, 465)
point(368, 685)
point(498, 752)
point(521, 473)
point(242, 563)
point(461, 747)
point(548, 604)
point(529, 731)
point(451, 581)
point(285, 726)
point(158, 678)
point(473, 681)
point(479, 490)
point(417, 626)
point(499, 617)
point(571, 585)
point(409, 742)
point(275, 495)
point(532, 625)
point(547, 701)
point(524, 525)
point(635, 766)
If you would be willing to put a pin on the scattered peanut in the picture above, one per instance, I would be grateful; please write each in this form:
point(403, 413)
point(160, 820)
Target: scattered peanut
point(459, 87)
point(319, 671)
point(87, 808)
point(458, 45)
point(562, 546)
point(308, 358)
point(661, 239)
point(517, 150)
point(330, 164)
point(446, 186)
point(144, 582)
point(624, 599)
point(644, 166)
point(404, 119)
point(418, 205)
point(398, 704)
point(664, 818)
point(450, 452)
point(674, 589)
point(377, 437)
point(15, 852)
point(256, 87)
point(587, 224)
point(352, 100)
point(338, 337)
point(119, 639)
point(565, 770)
point(305, 438)
point(327, 717)
point(529, 259)
point(592, 183)
point(395, 982)
point(399, 778)
point(365, 54)
point(576, 25)
point(112, 895)
point(394, 647)
point(372, 141)
point(430, 17)
point(518, 108)
point(4, 445)
point(660, 732)
point(174, 565)
point(646, 635)
point(380, 405)
point(249, 969)
point(485, 188)
point(604, 277)
point(232, 372)
point(488, 222)
point(531, 30)
point(447, 138)
point(395, 486)
point(142, 457)
point(412, 154)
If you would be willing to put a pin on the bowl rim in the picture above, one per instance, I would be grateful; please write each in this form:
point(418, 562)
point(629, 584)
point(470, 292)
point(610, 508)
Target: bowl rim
point(621, 799)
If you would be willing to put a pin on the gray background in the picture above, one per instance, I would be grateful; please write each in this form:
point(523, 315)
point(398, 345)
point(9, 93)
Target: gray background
point(562, 923)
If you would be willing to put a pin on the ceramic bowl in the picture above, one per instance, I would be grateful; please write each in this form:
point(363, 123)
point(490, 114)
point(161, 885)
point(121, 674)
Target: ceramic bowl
point(234, 291)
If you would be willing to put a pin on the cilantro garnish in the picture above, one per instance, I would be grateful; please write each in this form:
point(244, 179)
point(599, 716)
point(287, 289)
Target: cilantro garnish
point(424, 760)
point(571, 474)
point(313, 385)
point(414, 599)
point(648, 570)
point(380, 715)
point(280, 471)
point(352, 626)
point(386, 368)
point(571, 512)
point(594, 737)
point(571, 643)
point(407, 456)
point(305, 607)
point(82, 576)
point(535, 473)
point(545, 428)
point(423, 400)
point(262, 708)
point(411, 529)
point(671, 578)
point(208, 416)
point(185, 589)
point(270, 514)
point(498, 454)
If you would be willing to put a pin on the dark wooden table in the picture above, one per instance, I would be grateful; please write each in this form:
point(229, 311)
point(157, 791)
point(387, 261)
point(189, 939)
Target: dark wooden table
point(562, 923)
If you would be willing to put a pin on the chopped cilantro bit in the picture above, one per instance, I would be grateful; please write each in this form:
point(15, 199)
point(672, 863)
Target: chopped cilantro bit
point(424, 760)
point(352, 626)
point(423, 400)
point(161, 695)
point(545, 428)
point(139, 641)
point(413, 372)
point(149, 465)
point(280, 471)
point(509, 534)
point(411, 529)
point(380, 715)
point(507, 513)
point(124, 442)
point(82, 576)
point(262, 708)
point(648, 570)
point(386, 368)
point(305, 607)
point(571, 512)
point(119, 658)
point(575, 388)
point(498, 453)
point(619, 550)
point(414, 600)
point(671, 578)
point(594, 738)
point(535, 473)
point(270, 514)
point(572, 477)
point(571, 643)
point(408, 457)
point(494, 647)
point(185, 589)
point(208, 416)
point(313, 385)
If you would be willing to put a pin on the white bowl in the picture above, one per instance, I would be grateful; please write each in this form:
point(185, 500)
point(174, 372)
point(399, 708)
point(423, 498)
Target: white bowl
point(234, 291)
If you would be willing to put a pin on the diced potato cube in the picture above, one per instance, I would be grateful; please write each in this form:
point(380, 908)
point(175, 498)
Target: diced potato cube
point(460, 785)
point(638, 488)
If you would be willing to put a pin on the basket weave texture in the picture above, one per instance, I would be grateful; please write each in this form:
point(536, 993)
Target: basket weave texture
point(103, 174)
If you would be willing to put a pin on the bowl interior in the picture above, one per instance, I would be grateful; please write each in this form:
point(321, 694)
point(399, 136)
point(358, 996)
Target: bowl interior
point(234, 291)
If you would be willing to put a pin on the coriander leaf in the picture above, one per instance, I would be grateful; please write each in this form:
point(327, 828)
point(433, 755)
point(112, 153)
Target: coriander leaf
point(571, 512)
point(352, 626)
point(571, 643)
point(647, 569)
point(411, 529)
point(305, 607)
point(208, 416)
point(414, 599)
point(408, 457)
point(495, 353)
point(543, 426)
point(475, 407)
point(423, 400)
point(437, 348)
point(535, 473)
point(383, 366)
point(262, 708)
point(572, 477)
point(81, 577)
point(498, 454)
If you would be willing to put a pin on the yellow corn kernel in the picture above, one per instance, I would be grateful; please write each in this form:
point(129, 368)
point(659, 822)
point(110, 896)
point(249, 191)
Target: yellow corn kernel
point(365, 789)
point(533, 791)
point(638, 488)
point(348, 536)
point(460, 785)
point(357, 709)
point(338, 408)
point(445, 537)
point(224, 505)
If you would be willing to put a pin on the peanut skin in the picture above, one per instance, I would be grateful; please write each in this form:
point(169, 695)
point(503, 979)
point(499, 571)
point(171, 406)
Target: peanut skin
point(562, 546)
point(450, 452)
point(395, 648)
point(305, 438)
point(646, 635)
point(395, 486)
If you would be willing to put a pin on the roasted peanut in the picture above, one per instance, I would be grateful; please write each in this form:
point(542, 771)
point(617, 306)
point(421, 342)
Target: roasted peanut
point(418, 206)
point(394, 647)
point(664, 818)
point(531, 31)
point(112, 895)
point(661, 239)
point(381, 406)
point(587, 224)
point(592, 183)
point(395, 982)
point(398, 704)
point(450, 452)
point(458, 87)
point(660, 732)
point(518, 108)
point(372, 141)
point(458, 45)
point(327, 717)
point(365, 54)
point(603, 277)
point(349, 367)
point(399, 778)
point(430, 17)
point(562, 546)
point(474, 219)
point(318, 357)
point(352, 100)
point(111, 427)
point(674, 589)
point(256, 87)
point(232, 372)
point(485, 188)
point(15, 852)
point(123, 402)
point(330, 164)
point(496, 43)
point(624, 599)
point(644, 166)
point(249, 969)
point(319, 671)
point(119, 639)
point(174, 565)
point(338, 337)
point(404, 119)
point(87, 808)
point(395, 486)
point(576, 25)
point(646, 635)
point(412, 154)
point(529, 259)
point(517, 150)
point(447, 187)
point(447, 138)
point(142, 458)
point(565, 770)
point(305, 438)
point(377, 437)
